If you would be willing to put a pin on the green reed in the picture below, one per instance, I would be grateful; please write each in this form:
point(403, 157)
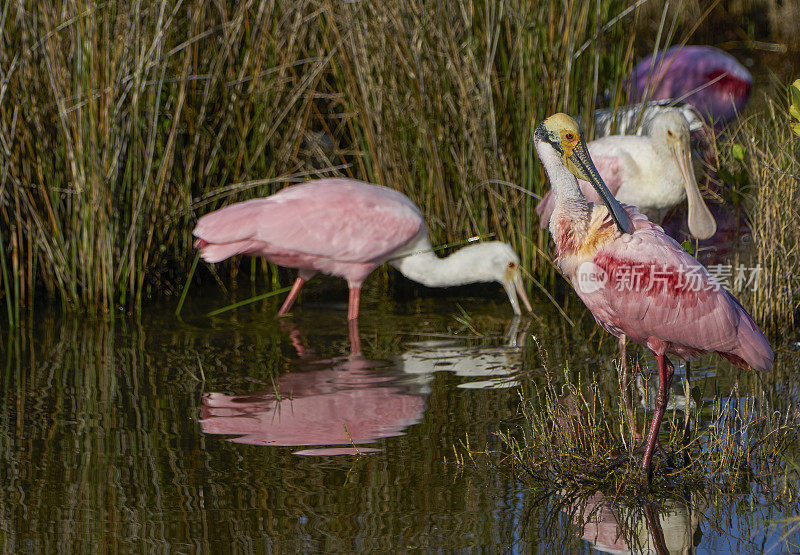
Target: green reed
point(123, 122)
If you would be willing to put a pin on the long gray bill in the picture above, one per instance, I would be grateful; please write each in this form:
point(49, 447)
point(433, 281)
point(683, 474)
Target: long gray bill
point(580, 157)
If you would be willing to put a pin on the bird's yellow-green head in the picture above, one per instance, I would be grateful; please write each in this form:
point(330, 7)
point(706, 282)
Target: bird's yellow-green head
point(564, 135)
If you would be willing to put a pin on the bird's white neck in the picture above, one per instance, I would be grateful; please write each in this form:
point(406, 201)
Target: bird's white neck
point(569, 200)
point(460, 268)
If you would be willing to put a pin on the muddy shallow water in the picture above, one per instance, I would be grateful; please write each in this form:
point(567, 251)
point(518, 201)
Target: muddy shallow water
point(249, 433)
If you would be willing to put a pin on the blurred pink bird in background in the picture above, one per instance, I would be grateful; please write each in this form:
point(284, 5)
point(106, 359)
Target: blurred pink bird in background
point(711, 80)
point(347, 228)
point(638, 282)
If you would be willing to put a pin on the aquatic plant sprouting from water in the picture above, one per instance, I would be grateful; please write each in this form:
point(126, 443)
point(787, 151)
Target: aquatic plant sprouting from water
point(764, 153)
point(566, 441)
point(575, 438)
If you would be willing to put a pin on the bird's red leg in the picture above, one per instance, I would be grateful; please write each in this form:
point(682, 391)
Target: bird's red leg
point(352, 308)
point(355, 338)
point(665, 371)
point(292, 296)
point(623, 357)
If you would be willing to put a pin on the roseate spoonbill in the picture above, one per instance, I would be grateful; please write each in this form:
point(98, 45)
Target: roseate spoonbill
point(705, 77)
point(638, 283)
point(653, 173)
point(348, 228)
point(633, 119)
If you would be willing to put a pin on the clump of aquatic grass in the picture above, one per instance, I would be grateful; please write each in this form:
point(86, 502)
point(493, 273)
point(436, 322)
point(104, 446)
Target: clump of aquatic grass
point(763, 154)
point(576, 438)
point(121, 122)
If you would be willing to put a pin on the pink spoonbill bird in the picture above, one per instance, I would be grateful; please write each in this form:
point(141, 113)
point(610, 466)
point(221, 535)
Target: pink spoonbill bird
point(652, 172)
point(638, 283)
point(709, 79)
point(347, 228)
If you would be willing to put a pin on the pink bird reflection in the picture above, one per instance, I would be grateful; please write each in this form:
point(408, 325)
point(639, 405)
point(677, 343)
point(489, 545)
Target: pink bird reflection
point(350, 404)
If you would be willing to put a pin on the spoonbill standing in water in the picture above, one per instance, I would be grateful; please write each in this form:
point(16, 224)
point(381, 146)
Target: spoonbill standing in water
point(652, 172)
point(638, 282)
point(709, 79)
point(348, 228)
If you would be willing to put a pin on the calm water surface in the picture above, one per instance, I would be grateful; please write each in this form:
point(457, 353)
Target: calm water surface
point(249, 433)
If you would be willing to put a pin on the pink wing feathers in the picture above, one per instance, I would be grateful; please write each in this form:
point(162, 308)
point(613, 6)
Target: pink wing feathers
point(338, 219)
point(610, 170)
point(660, 296)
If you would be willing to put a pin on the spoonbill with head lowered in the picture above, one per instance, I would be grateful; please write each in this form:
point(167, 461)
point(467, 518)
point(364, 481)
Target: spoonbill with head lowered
point(348, 228)
point(638, 282)
point(652, 172)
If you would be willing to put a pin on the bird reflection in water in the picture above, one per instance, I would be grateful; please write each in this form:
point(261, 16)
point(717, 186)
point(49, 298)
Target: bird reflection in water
point(673, 528)
point(483, 367)
point(341, 404)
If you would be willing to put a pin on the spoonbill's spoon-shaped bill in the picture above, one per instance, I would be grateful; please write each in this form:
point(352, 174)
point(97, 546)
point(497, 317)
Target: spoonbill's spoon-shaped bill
point(652, 172)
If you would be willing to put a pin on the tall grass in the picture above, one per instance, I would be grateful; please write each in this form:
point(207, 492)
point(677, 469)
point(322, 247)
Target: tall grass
point(762, 155)
point(121, 122)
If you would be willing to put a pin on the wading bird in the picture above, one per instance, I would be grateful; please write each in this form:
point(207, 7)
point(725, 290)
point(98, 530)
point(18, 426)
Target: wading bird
point(652, 173)
point(634, 119)
point(638, 283)
point(347, 228)
point(705, 77)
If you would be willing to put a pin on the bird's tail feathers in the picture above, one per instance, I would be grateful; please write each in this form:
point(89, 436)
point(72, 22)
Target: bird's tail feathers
point(753, 345)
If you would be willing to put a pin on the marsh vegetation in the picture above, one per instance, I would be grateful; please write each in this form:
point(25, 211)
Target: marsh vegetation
point(147, 116)
point(121, 123)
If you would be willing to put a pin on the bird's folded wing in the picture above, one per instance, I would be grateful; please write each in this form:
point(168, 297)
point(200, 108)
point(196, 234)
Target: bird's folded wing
point(355, 223)
point(658, 289)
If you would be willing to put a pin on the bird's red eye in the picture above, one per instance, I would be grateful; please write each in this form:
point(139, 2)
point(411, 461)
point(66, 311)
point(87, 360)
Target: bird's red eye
point(570, 136)
point(669, 132)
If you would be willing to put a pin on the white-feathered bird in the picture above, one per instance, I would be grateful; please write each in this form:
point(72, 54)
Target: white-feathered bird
point(652, 172)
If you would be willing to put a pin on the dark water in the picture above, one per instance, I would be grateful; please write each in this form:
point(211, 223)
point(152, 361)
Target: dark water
point(247, 434)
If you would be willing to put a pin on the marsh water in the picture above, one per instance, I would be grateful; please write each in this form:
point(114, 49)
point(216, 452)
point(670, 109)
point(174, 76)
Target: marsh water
point(247, 433)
